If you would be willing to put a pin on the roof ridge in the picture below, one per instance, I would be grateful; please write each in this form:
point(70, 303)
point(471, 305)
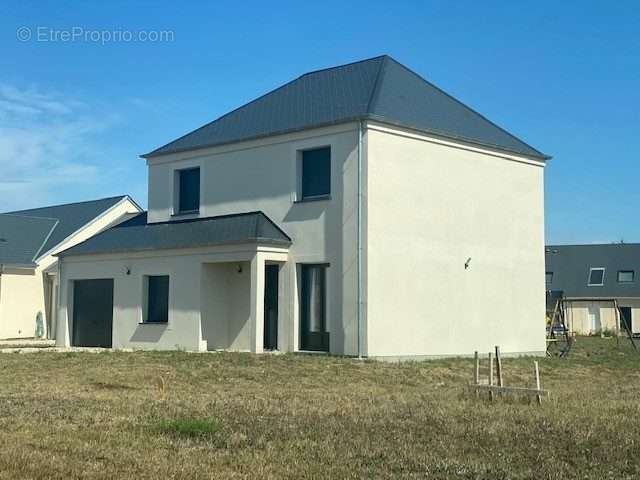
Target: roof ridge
point(65, 204)
point(376, 84)
point(44, 242)
point(312, 72)
point(268, 219)
point(467, 107)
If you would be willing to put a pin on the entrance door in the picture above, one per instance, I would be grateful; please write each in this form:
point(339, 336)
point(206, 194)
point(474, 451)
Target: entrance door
point(313, 318)
point(271, 307)
point(625, 319)
point(594, 319)
point(92, 313)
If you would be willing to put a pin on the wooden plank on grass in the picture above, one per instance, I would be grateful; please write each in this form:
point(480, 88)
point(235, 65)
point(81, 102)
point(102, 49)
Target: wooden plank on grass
point(511, 390)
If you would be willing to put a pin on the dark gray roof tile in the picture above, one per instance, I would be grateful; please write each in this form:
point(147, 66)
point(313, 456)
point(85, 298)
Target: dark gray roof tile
point(22, 238)
point(379, 88)
point(570, 265)
point(71, 217)
point(137, 235)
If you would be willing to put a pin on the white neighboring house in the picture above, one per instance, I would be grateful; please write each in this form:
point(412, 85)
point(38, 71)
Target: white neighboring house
point(593, 280)
point(29, 239)
point(357, 210)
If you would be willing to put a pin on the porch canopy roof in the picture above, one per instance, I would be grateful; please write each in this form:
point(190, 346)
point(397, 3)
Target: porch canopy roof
point(136, 235)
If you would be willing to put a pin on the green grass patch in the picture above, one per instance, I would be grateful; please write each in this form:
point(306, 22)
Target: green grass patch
point(188, 427)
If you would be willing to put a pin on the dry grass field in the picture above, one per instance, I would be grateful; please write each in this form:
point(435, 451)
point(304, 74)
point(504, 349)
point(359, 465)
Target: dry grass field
point(179, 415)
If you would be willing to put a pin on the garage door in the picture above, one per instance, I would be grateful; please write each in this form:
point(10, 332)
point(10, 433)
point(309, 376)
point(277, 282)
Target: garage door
point(92, 313)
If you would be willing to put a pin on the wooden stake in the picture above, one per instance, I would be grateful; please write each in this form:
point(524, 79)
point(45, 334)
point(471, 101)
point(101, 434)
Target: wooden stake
point(490, 375)
point(617, 320)
point(476, 372)
point(537, 374)
point(499, 367)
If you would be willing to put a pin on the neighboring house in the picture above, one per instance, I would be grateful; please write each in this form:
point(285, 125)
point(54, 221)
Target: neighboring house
point(357, 210)
point(590, 278)
point(29, 239)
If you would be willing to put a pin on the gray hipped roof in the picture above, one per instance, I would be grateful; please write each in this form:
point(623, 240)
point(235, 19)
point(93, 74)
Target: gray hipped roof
point(22, 238)
point(570, 266)
point(136, 235)
point(27, 234)
point(379, 88)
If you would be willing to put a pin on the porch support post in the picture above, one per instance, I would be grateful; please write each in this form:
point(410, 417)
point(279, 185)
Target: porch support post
point(257, 302)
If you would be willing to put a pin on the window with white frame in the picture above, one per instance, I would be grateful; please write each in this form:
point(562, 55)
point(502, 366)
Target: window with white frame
point(596, 277)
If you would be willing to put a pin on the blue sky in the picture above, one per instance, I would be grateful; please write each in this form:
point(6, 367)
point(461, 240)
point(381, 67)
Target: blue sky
point(563, 76)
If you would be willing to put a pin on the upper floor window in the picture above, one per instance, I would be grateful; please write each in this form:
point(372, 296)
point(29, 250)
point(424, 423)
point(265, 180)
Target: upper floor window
point(596, 277)
point(316, 173)
point(548, 277)
point(188, 195)
point(626, 276)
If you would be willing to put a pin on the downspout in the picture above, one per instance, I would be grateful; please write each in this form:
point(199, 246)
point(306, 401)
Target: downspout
point(359, 242)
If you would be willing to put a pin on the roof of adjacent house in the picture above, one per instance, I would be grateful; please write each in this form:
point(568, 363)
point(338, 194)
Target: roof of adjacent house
point(22, 238)
point(28, 234)
point(570, 265)
point(136, 235)
point(378, 88)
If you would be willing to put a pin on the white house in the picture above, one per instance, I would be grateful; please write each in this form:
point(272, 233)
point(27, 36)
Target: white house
point(598, 285)
point(357, 210)
point(29, 239)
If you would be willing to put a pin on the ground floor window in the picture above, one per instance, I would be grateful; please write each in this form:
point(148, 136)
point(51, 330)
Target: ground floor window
point(313, 313)
point(157, 293)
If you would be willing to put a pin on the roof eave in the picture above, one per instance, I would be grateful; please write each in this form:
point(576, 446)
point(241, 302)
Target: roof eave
point(18, 266)
point(257, 241)
point(537, 156)
point(459, 138)
point(155, 153)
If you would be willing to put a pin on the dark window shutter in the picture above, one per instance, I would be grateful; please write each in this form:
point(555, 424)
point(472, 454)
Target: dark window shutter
point(189, 190)
point(316, 172)
point(158, 299)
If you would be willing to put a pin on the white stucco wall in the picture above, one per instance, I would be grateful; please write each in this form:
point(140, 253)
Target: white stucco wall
point(262, 175)
point(431, 206)
point(197, 279)
point(23, 296)
point(225, 300)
